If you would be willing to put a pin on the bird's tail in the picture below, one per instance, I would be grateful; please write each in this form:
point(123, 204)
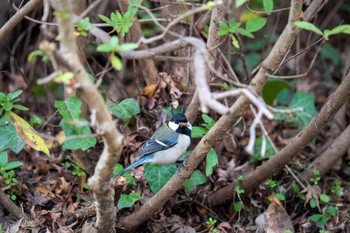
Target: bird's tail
point(142, 160)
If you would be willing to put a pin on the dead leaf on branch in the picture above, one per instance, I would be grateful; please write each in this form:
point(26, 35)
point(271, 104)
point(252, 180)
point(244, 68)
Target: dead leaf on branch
point(28, 134)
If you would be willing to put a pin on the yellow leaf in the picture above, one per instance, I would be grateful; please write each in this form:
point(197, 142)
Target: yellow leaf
point(28, 134)
point(245, 16)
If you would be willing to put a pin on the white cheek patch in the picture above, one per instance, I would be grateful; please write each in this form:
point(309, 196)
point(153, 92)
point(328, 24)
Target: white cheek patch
point(173, 125)
point(189, 126)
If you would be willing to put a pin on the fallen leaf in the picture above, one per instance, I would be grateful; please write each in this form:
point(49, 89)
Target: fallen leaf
point(277, 218)
point(28, 134)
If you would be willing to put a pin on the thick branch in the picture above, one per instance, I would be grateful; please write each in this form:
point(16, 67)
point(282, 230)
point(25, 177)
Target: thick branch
point(11, 206)
point(330, 156)
point(11, 23)
point(101, 181)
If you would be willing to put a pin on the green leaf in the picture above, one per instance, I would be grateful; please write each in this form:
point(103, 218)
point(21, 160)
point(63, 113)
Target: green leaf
point(252, 60)
point(235, 42)
point(244, 32)
point(70, 109)
point(12, 165)
point(9, 138)
point(258, 156)
point(36, 53)
point(3, 158)
point(20, 107)
point(240, 2)
point(315, 217)
point(268, 5)
point(105, 48)
point(313, 203)
point(125, 110)
point(307, 103)
point(129, 200)
point(211, 161)
point(209, 122)
point(198, 132)
point(272, 88)
point(7, 106)
point(255, 24)
point(308, 26)
point(332, 210)
point(158, 175)
point(107, 20)
point(196, 178)
point(116, 62)
point(324, 198)
point(224, 28)
point(339, 29)
point(127, 46)
point(280, 196)
point(35, 120)
point(238, 206)
point(14, 95)
point(84, 142)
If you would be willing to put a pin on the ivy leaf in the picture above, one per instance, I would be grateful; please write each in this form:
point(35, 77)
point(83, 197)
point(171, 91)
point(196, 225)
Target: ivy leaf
point(211, 161)
point(196, 178)
point(198, 132)
point(307, 103)
point(70, 109)
point(12, 165)
point(9, 138)
point(158, 175)
point(128, 200)
point(125, 110)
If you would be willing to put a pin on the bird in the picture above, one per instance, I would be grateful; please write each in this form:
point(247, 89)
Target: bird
point(167, 144)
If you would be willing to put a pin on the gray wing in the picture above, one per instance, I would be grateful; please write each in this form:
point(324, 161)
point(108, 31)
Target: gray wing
point(153, 145)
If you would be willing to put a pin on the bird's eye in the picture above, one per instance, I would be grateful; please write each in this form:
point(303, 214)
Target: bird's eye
point(177, 122)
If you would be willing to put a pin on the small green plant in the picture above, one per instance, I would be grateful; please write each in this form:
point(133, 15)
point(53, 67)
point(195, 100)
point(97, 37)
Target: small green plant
point(84, 26)
point(322, 219)
point(6, 168)
point(316, 178)
point(239, 205)
point(252, 25)
point(7, 103)
point(337, 189)
point(73, 167)
point(211, 224)
point(287, 231)
point(274, 186)
point(114, 47)
point(121, 23)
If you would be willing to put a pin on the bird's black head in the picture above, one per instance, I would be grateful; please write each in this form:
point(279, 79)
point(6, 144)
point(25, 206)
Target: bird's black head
point(180, 124)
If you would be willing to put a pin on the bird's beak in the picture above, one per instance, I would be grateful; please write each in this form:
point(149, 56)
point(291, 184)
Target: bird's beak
point(182, 124)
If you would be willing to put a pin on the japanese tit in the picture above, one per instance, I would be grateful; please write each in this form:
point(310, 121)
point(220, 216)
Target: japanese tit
point(167, 144)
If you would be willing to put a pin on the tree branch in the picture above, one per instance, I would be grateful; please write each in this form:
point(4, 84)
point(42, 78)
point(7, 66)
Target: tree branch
point(101, 182)
point(11, 23)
